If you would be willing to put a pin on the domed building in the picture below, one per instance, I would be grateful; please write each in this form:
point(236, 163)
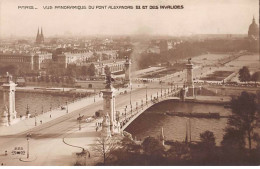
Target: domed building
point(253, 37)
point(253, 31)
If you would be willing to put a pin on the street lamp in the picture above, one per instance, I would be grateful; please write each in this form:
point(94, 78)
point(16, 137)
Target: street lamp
point(67, 107)
point(50, 107)
point(125, 112)
point(28, 135)
point(35, 118)
point(146, 95)
point(94, 95)
point(161, 90)
point(131, 95)
point(27, 111)
point(79, 122)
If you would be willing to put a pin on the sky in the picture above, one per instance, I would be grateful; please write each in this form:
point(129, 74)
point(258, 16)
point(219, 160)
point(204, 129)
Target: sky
point(197, 17)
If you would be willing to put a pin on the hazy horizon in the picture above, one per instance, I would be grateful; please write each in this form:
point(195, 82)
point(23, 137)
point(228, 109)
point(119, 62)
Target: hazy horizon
point(197, 17)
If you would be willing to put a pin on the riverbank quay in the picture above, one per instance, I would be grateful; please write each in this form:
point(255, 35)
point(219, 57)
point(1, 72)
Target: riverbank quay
point(219, 100)
point(57, 91)
point(25, 124)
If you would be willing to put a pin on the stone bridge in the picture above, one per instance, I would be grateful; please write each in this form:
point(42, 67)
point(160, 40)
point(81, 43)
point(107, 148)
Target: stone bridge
point(128, 116)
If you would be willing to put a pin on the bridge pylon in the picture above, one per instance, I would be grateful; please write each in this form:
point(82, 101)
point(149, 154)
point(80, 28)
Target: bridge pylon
point(128, 72)
point(8, 114)
point(190, 83)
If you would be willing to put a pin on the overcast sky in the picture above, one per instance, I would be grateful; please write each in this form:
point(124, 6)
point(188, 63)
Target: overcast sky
point(198, 16)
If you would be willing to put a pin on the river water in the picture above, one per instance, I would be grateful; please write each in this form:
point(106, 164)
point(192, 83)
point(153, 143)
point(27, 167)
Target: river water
point(154, 119)
point(37, 102)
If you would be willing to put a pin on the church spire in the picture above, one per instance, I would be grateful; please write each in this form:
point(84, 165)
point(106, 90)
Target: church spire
point(41, 31)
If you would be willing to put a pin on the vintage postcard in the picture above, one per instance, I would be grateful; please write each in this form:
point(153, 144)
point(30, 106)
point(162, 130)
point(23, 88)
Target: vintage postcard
point(129, 83)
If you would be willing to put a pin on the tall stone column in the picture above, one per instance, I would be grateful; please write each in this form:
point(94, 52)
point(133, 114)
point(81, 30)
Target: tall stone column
point(190, 84)
point(8, 114)
point(109, 106)
point(127, 71)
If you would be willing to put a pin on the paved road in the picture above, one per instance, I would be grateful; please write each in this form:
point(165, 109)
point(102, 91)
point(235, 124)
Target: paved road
point(46, 139)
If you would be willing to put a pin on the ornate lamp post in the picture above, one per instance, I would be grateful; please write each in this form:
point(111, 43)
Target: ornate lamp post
point(146, 94)
point(28, 135)
point(79, 122)
point(35, 118)
point(67, 107)
point(125, 112)
point(161, 90)
point(94, 95)
point(131, 96)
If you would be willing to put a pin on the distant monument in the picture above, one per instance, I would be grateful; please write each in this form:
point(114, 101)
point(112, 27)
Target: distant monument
point(127, 72)
point(39, 37)
point(253, 37)
point(8, 113)
point(190, 84)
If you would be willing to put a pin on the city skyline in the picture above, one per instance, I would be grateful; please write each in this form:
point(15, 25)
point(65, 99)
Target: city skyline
point(197, 17)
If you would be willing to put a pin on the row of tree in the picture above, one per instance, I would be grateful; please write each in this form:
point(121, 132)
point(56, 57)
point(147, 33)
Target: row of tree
point(245, 76)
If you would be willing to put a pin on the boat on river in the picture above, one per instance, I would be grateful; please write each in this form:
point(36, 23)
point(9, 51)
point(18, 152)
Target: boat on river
point(214, 115)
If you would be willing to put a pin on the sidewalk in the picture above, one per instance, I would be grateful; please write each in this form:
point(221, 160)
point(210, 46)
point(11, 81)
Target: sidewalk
point(29, 123)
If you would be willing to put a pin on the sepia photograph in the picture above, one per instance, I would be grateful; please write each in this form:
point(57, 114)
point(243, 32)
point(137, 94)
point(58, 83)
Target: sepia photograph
point(129, 83)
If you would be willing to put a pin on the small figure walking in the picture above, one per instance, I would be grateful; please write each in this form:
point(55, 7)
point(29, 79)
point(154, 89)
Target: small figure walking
point(50, 115)
point(41, 121)
point(96, 129)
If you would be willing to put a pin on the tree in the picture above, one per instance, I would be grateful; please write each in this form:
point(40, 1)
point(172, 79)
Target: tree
point(107, 71)
point(128, 153)
point(244, 74)
point(153, 151)
point(71, 71)
point(104, 146)
point(152, 146)
point(92, 70)
point(84, 70)
point(178, 151)
point(207, 139)
point(244, 115)
point(256, 77)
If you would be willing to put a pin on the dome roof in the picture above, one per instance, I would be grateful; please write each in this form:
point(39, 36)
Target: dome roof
point(253, 29)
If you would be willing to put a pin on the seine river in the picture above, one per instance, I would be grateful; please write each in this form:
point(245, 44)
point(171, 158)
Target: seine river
point(37, 102)
point(154, 119)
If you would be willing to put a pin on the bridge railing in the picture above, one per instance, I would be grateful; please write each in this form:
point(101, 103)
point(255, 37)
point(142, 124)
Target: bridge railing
point(130, 114)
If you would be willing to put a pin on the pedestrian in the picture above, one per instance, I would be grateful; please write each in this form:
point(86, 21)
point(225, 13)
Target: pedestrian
point(96, 129)
point(41, 121)
point(88, 154)
point(50, 115)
